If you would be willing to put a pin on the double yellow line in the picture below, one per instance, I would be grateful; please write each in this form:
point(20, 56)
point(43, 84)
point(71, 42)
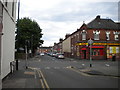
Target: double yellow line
point(43, 81)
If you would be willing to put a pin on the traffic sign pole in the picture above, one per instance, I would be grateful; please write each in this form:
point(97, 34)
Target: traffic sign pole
point(90, 42)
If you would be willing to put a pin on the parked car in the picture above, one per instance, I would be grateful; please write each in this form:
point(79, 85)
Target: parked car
point(53, 54)
point(42, 54)
point(60, 56)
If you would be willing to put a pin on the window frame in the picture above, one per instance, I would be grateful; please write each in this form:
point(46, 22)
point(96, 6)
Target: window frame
point(83, 33)
point(96, 35)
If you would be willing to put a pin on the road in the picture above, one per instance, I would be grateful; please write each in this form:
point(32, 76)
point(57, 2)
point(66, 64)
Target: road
point(58, 73)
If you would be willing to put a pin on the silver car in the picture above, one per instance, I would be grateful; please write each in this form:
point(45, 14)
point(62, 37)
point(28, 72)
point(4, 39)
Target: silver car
point(60, 56)
point(42, 54)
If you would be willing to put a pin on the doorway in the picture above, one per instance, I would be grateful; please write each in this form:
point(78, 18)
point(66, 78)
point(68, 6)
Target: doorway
point(84, 54)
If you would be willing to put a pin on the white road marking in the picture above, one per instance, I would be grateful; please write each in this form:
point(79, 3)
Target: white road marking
point(56, 67)
point(107, 65)
point(47, 67)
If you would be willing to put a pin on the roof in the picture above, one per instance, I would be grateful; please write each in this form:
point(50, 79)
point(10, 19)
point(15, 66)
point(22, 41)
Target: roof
point(118, 23)
point(45, 47)
point(99, 23)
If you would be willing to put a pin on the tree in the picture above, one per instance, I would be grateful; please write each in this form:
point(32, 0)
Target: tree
point(28, 33)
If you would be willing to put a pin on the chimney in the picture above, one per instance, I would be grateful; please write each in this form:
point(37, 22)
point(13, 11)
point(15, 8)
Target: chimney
point(67, 35)
point(60, 40)
point(98, 18)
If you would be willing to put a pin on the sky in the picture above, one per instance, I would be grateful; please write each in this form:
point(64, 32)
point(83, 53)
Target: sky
point(57, 18)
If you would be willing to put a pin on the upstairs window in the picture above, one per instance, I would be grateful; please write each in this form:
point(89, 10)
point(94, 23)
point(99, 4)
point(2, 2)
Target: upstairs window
point(107, 35)
point(116, 35)
point(6, 2)
point(12, 9)
point(83, 34)
point(96, 34)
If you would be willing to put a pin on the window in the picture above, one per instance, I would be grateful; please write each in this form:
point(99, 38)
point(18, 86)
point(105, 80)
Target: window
point(97, 52)
point(6, 3)
point(83, 35)
point(13, 9)
point(96, 35)
point(107, 35)
point(116, 35)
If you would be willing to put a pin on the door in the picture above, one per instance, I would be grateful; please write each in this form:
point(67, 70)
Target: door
point(84, 54)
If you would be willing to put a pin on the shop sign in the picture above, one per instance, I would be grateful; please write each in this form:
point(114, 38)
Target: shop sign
point(99, 44)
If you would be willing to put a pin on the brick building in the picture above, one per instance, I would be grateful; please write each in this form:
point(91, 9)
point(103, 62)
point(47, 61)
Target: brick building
point(105, 34)
point(44, 49)
point(57, 48)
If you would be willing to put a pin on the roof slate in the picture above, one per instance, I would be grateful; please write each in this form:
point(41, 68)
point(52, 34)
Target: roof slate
point(99, 23)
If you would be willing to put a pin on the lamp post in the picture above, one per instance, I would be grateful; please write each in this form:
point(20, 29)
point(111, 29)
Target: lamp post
point(90, 42)
point(26, 57)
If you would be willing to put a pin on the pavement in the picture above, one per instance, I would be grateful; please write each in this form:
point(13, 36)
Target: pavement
point(103, 68)
point(25, 78)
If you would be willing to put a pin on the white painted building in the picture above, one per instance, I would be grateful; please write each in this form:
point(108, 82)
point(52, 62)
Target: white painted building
point(7, 40)
point(66, 47)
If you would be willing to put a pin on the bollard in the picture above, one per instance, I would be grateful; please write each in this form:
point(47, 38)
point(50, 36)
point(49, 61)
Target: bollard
point(113, 58)
point(16, 64)
point(90, 65)
point(11, 70)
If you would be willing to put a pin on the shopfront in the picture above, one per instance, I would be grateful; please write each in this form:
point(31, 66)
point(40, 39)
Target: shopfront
point(113, 50)
point(97, 52)
point(100, 51)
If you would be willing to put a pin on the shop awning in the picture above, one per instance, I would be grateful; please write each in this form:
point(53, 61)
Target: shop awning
point(97, 46)
point(83, 49)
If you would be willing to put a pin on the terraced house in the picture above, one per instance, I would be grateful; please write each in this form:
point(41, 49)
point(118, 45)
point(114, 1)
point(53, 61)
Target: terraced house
point(105, 34)
point(7, 35)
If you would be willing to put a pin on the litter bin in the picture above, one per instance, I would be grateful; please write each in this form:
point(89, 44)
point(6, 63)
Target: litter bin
point(113, 58)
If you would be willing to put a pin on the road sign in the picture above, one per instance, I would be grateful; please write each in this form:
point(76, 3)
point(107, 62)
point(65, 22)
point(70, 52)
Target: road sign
point(90, 41)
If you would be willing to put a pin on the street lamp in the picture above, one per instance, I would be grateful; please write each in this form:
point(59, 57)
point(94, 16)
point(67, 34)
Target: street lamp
point(90, 42)
point(26, 56)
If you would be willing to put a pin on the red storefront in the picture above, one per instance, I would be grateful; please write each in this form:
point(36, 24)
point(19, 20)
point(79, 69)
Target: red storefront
point(98, 52)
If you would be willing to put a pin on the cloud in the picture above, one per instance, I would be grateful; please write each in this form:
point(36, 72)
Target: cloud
point(58, 17)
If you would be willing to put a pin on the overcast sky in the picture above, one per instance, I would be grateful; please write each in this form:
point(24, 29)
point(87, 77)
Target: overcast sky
point(58, 17)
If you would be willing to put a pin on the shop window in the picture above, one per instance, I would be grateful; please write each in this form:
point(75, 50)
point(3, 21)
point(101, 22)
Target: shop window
point(97, 52)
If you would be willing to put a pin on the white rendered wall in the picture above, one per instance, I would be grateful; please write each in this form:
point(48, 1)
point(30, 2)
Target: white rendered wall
point(7, 43)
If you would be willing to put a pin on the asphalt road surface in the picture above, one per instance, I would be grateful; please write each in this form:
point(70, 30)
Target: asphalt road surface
point(58, 73)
